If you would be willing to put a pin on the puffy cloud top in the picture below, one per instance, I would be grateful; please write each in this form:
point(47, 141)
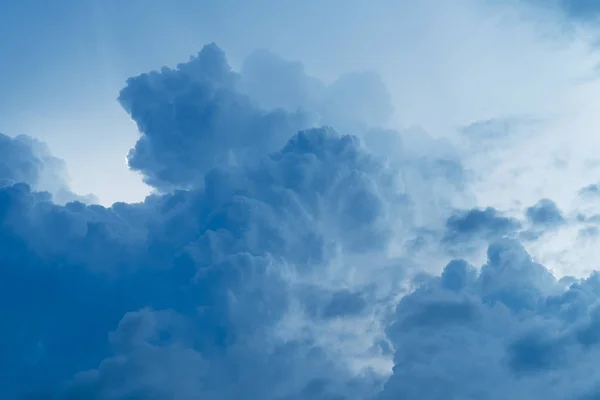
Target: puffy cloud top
point(25, 159)
point(202, 114)
point(545, 213)
point(509, 331)
point(193, 118)
point(355, 101)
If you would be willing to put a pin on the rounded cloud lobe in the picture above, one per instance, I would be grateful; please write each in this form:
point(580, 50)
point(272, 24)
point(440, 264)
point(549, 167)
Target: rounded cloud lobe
point(193, 118)
point(291, 251)
point(510, 330)
point(25, 159)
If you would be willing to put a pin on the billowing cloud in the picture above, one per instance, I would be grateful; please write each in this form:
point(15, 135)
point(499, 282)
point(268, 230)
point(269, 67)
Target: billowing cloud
point(352, 103)
point(509, 330)
point(25, 159)
point(248, 273)
point(280, 259)
point(262, 236)
point(277, 83)
point(226, 266)
point(202, 114)
point(193, 118)
point(545, 213)
point(476, 224)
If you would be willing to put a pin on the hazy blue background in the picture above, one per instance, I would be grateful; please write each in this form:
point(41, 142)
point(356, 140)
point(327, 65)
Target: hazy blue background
point(63, 62)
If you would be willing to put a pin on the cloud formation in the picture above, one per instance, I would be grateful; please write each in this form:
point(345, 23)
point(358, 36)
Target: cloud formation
point(188, 293)
point(544, 213)
point(27, 160)
point(352, 103)
point(193, 118)
point(262, 236)
point(509, 330)
point(202, 114)
point(292, 251)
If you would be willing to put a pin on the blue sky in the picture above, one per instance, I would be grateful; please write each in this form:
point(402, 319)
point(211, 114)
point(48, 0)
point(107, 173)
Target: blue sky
point(290, 201)
point(66, 61)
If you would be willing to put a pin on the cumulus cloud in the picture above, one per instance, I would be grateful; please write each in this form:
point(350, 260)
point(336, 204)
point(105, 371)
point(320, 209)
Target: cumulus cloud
point(262, 235)
point(193, 118)
point(274, 82)
point(249, 275)
point(509, 330)
point(227, 266)
point(475, 223)
point(25, 159)
point(280, 259)
point(203, 114)
point(352, 103)
point(544, 213)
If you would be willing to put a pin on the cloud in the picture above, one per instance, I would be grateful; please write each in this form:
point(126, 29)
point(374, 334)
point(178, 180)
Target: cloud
point(468, 231)
point(580, 9)
point(352, 103)
point(222, 266)
point(575, 10)
point(590, 190)
point(487, 223)
point(231, 287)
point(509, 330)
point(277, 83)
point(282, 259)
point(25, 159)
point(544, 213)
point(267, 274)
point(202, 114)
point(193, 118)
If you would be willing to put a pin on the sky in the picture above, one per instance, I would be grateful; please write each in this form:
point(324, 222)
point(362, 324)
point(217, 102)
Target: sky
point(299, 200)
point(65, 62)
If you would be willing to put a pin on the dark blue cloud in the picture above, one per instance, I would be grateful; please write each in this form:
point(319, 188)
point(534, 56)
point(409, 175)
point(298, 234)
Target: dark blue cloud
point(194, 117)
point(511, 331)
point(466, 230)
point(581, 9)
point(344, 303)
point(196, 292)
point(535, 352)
point(457, 275)
point(266, 266)
point(211, 261)
point(545, 214)
point(202, 114)
point(476, 222)
point(250, 223)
